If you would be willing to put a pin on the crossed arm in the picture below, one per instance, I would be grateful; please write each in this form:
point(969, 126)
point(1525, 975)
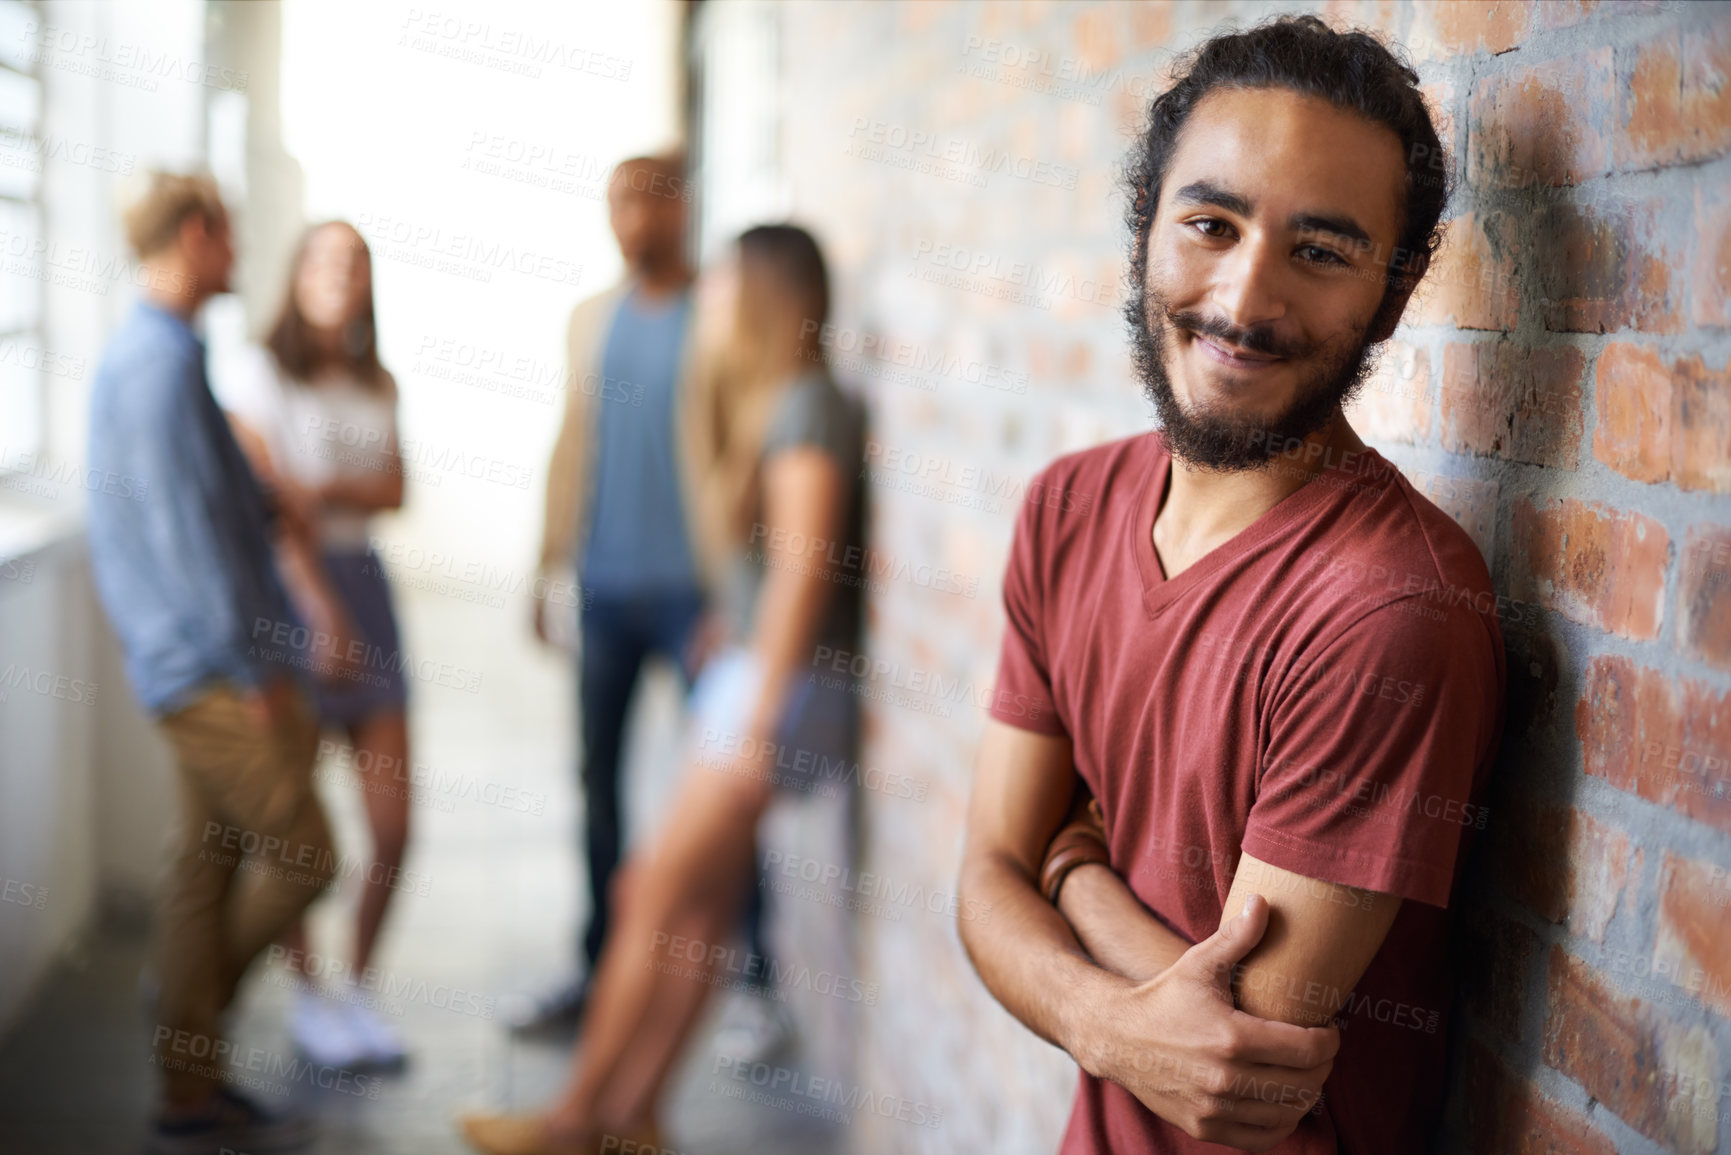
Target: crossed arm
point(297, 555)
point(1217, 1038)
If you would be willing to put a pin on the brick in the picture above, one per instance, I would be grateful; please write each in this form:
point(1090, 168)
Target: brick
point(1608, 266)
point(1448, 28)
point(1676, 107)
point(1383, 15)
point(1099, 38)
point(1650, 106)
point(1395, 403)
point(1692, 946)
point(1496, 955)
point(1657, 736)
point(1471, 501)
point(1564, 865)
point(1565, 13)
point(1701, 452)
point(1704, 596)
point(1711, 270)
point(1440, 97)
point(1474, 282)
point(1507, 1115)
point(1627, 1056)
point(1663, 421)
point(1542, 123)
point(1706, 93)
point(1595, 565)
point(1150, 26)
point(1635, 433)
point(1506, 400)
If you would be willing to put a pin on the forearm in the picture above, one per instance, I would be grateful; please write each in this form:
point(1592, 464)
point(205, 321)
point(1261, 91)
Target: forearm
point(304, 574)
point(790, 605)
point(1028, 958)
point(369, 493)
point(1114, 927)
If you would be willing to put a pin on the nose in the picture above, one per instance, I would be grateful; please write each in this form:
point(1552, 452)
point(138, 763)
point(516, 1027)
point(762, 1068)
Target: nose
point(1249, 289)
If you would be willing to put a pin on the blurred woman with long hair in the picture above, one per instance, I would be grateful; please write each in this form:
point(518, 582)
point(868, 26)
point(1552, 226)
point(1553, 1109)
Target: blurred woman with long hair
point(782, 479)
point(316, 413)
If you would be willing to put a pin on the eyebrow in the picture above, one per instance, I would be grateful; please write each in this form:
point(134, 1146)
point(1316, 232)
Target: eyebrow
point(1204, 192)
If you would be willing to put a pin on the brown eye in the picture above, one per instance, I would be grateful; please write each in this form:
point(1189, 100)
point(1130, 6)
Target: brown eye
point(1317, 255)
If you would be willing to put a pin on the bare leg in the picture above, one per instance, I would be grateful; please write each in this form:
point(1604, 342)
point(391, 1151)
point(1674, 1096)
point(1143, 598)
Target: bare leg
point(641, 1073)
point(690, 882)
point(381, 745)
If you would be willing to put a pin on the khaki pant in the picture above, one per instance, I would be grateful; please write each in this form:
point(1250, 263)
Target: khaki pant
point(251, 852)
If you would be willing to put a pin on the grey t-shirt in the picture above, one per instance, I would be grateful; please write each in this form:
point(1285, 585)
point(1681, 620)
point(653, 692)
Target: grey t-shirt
point(811, 412)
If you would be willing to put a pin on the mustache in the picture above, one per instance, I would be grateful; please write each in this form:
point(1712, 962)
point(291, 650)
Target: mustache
point(1255, 338)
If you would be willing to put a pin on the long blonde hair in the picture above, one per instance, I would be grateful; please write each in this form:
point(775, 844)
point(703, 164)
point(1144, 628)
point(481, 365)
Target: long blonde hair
point(783, 303)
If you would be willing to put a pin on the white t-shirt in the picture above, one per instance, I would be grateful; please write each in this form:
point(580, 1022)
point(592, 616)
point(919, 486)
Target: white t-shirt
point(338, 428)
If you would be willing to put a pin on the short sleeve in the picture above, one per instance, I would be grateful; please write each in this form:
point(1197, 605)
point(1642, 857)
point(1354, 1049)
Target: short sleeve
point(1022, 692)
point(813, 412)
point(1374, 751)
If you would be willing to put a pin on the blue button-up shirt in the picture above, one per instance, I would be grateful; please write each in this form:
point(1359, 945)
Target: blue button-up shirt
point(179, 542)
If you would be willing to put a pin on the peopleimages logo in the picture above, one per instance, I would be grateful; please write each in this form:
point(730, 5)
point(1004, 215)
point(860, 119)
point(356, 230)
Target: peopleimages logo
point(875, 887)
point(969, 155)
point(808, 1094)
point(1383, 798)
point(727, 961)
point(884, 680)
point(847, 564)
point(465, 254)
point(253, 1068)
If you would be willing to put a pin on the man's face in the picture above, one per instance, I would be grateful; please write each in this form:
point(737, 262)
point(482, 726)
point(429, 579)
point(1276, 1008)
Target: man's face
point(647, 213)
point(1267, 261)
point(209, 248)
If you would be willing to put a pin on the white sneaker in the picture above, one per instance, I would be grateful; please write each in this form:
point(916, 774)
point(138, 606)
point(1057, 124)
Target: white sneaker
point(380, 1041)
point(321, 1030)
point(753, 1028)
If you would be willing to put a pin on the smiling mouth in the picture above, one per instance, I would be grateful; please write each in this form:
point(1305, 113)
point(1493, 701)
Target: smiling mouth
point(1235, 357)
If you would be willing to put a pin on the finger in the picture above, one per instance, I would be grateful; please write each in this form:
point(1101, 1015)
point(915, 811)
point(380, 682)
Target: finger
point(1221, 951)
point(1246, 1138)
point(1296, 1091)
point(1252, 1112)
point(1283, 1044)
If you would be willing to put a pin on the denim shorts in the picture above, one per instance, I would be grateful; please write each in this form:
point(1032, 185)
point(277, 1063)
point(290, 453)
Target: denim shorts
point(378, 687)
point(814, 744)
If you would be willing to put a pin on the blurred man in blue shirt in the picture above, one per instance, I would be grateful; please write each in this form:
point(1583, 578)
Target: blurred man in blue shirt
point(184, 565)
point(621, 510)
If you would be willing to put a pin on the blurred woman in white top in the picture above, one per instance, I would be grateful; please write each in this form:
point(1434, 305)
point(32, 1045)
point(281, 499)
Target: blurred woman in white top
point(316, 413)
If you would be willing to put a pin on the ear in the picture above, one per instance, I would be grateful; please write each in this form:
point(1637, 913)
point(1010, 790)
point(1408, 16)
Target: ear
point(194, 231)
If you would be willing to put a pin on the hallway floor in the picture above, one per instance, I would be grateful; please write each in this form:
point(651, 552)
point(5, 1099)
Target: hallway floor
point(501, 893)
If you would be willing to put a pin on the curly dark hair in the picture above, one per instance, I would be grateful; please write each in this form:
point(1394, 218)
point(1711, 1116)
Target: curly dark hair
point(1351, 70)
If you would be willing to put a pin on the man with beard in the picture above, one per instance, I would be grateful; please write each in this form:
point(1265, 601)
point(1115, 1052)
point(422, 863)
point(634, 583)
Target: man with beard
point(1243, 681)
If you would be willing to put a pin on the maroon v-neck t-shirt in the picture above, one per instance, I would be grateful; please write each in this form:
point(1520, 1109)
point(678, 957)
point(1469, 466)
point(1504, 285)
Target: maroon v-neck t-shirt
point(1323, 692)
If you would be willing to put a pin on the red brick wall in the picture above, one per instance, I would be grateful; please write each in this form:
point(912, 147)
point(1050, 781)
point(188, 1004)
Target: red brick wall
point(1561, 387)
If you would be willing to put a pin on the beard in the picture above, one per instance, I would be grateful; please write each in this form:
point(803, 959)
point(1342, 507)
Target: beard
point(1216, 438)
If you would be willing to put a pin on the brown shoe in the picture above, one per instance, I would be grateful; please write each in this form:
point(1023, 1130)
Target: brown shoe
point(645, 1137)
point(516, 1135)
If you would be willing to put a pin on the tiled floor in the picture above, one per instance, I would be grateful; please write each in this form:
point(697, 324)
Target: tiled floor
point(500, 902)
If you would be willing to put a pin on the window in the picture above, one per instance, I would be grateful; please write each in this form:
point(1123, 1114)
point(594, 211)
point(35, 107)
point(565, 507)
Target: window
point(22, 351)
point(735, 79)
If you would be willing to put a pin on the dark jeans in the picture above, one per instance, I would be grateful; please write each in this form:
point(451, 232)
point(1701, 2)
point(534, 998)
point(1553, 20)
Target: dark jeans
point(619, 633)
